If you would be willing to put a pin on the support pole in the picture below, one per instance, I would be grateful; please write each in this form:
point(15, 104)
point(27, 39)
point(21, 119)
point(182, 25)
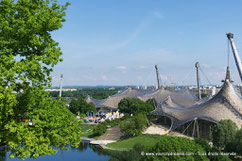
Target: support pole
point(236, 55)
point(198, 135)
point(157, 75)
point(61, 79)
point(198, 80)
point(194, 125)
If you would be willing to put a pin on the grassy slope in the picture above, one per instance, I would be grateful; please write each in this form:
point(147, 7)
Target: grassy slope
point(127, 144)
point(87, 130)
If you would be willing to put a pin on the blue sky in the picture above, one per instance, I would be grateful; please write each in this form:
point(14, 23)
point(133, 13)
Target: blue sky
point(118, 42)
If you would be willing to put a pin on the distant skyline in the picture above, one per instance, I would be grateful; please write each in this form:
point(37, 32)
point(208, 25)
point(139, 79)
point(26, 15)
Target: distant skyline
point(106, 42)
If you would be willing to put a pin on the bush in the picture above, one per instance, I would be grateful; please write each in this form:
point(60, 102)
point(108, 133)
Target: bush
point(135, 125)
point(177, 145)
point(100, 129)
point(113, 123)
point(204, 144)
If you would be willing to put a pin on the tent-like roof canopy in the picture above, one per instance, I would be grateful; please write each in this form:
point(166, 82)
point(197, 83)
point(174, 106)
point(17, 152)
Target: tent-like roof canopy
point(170, 98)
point(226, 104)
point(180, 98)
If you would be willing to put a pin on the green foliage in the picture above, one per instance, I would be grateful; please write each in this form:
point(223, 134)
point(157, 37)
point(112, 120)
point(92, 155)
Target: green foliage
point(83, 115)
point(223, 133)
point(177, 145)
point(135, 125)
point(158, 144)
point(97, 93)
point(87, 130)
point(27, 57)
point(112, 123)
point(204, 144)
point(81, 106)
point(53, 124)
point(74, 106)
point(236, 144)
point(65, 100)
point(134, 105)
point(127, 144)
point(131, 155)
point(203, 95)
point(152, 102)
point(100, 129)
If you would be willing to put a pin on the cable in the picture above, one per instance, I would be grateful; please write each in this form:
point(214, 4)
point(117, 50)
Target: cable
point(205, 75)
point(187, 126)
point(148, 77)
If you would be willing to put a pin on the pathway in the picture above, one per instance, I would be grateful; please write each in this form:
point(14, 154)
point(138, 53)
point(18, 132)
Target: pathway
point(112, 134)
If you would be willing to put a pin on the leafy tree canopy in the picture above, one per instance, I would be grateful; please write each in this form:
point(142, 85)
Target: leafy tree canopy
point(81, 106)
point(236, 144)
point(134, 105)
point(224, 132)
point(31, 122)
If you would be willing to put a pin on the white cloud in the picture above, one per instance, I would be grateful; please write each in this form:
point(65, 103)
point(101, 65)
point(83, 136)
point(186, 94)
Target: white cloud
point(121, 67)
point(141, 67)
point(205, 65)
point(104, 77)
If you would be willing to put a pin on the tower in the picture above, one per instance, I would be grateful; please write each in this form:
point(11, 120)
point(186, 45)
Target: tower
point(61, 79)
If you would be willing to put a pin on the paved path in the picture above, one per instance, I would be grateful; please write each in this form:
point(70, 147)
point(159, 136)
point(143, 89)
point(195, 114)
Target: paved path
point(112, 134)
point(102, 142)
point(87, 139)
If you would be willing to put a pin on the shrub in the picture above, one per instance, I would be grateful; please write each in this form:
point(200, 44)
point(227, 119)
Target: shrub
point(100, 129)
point(208, 148)
point(135, 125)
point(176, 145)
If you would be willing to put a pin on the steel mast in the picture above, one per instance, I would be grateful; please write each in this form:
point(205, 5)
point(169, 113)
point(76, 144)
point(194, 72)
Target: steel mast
point(157, 74)
point(198, 80)
point(236, 55)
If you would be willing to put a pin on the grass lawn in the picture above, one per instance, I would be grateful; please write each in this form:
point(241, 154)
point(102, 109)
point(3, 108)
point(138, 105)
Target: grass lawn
point(87, 130)
point(127, 144)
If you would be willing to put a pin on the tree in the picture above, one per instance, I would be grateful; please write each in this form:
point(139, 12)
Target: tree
point(134, 105)
point(204, 144)
point(81, 106)
point(223, 133)
point(236, 144)
point(74, 106)
point(31, 122)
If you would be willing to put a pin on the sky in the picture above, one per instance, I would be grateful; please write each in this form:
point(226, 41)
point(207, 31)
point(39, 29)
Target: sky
point(118, 42)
